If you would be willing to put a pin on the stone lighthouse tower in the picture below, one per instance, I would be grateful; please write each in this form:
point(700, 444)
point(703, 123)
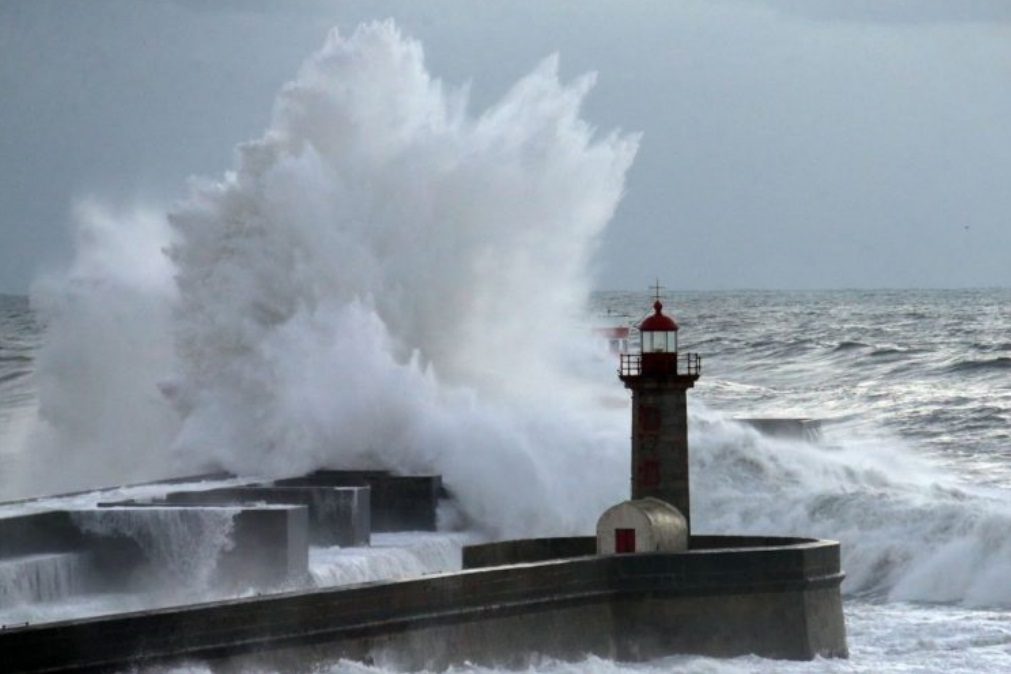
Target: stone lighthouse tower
point(659, 378)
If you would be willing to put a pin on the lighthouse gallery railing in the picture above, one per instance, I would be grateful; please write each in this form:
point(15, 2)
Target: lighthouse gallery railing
point(687, 364)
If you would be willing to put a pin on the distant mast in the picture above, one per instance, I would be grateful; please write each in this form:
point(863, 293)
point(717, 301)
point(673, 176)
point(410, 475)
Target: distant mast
point(659, 378)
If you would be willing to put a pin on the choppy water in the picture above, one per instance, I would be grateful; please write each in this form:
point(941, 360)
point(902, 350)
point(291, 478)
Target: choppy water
point(931, 367)
point(19, 340)
point(912, 471)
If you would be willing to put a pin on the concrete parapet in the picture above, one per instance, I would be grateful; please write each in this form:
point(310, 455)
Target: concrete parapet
point(527, 550)
point(337, 515)
point(775, 601)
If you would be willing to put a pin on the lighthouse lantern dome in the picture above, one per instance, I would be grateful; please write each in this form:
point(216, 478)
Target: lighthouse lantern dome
point(658, 332)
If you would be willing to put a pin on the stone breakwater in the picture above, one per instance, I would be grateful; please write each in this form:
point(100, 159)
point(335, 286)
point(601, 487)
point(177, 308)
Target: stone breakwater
point(726, 596)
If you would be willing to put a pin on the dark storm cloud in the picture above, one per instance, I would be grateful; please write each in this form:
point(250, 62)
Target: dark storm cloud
point(256, 6)
point(897, 11)
point(787, 143)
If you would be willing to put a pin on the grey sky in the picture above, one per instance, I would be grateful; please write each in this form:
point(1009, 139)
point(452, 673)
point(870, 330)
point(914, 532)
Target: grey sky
point(787, 143)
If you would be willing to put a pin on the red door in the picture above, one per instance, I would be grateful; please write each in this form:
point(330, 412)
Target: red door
point(624, 540)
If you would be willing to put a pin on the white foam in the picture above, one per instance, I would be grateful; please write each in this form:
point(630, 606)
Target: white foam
point(909, 531)
point(390, 557)
point(42, 577)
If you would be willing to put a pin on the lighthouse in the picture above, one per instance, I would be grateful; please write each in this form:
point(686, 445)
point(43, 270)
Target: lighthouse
point(659, 377)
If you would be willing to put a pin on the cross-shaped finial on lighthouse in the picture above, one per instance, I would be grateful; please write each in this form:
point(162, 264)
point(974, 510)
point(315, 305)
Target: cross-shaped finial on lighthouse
point(657, 289)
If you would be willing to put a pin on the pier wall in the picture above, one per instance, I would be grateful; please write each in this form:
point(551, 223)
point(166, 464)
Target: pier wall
point(779, 601)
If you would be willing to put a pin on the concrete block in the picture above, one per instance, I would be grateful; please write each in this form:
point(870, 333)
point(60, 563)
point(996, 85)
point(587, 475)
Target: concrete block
point(527, 550)
point(398, 503)
point(795, 429)
point(337, 515)
point(406, 503)
point(271, 547)
point(334, 478)
point(261, 547)
point(43, 532)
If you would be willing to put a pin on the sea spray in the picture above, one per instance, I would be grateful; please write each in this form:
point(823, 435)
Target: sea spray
point(42, 577)
point(388, 280)
point(384, 279)
point(101, 417)
point(908, 531)
point(182, 545)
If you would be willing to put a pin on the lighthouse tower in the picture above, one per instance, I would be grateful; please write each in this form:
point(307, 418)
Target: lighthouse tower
point(659, 378)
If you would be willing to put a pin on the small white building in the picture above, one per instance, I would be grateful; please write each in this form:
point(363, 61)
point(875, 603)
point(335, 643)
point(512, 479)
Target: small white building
point(643, 525)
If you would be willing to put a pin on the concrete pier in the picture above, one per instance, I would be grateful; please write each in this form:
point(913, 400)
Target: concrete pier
point(777, 598)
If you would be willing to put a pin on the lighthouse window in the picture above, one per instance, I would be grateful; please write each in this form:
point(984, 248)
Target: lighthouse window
point(659, 342)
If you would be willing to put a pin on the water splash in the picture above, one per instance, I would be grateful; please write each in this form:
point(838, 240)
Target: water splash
point(101, 418)
point(182, 545)
point(385, 278)
point(390, 557)
point(42, 577)
point(909, 532)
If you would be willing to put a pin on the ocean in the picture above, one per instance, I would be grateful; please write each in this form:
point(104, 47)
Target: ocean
point(911, 469)
point(389, 278)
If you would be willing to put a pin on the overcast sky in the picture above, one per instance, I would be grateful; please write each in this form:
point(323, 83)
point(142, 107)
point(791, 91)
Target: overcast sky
point(786, 143)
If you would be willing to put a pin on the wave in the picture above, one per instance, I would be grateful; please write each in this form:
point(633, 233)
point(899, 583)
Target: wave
point(886, 352)
point(998, 364)
point(12, 376)
point(334, 300)
point(850, 346)
point(989, 347)
point(908, 532)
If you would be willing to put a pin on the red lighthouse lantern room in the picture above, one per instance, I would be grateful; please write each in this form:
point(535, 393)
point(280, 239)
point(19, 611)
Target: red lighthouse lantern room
point(658, 336)
point(659, 332)
point(658, 348)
